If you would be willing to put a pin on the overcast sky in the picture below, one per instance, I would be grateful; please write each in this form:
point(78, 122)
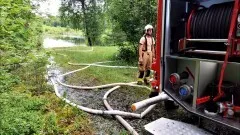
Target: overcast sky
point(50, 7)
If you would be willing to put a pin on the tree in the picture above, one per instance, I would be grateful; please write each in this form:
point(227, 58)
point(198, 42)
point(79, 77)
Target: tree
point(83, 14)
point(131, 16)
point(20, 35)
point(53, 21)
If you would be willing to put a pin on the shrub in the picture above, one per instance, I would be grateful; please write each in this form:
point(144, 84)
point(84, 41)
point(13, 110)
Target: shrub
point(127, 53)
point(20, 114)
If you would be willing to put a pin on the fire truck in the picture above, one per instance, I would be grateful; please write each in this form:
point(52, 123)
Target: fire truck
point(198, 58)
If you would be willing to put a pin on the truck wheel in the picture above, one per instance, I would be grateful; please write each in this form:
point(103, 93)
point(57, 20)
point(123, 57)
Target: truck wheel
point(170, 105)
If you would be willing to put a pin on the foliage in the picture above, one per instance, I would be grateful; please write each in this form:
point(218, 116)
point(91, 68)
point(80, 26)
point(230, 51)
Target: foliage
point(130, 17)
point(20, 32)
point(19, 35)
point(53, 21)
point(45, 114)
point(60, 31)
point(127, 53)
point(110, 22)
point(7, 80)
point(20, 114)
point(27, 106)
point(124, 132)
point(32, 73)
point(61, 118)
point(85, 15)
point(51, 126)
point(112, 36)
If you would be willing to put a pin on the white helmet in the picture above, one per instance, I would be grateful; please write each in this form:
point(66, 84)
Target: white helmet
point(147, 27)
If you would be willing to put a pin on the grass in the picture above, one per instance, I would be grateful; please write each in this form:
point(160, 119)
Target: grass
point(94, 75)
point(59, 31)
point(98, 54)
point(62, 118)
point(24, 113)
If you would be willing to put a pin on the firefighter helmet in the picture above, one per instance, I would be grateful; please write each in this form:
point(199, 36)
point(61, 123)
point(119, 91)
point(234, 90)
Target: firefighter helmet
point(147, 27)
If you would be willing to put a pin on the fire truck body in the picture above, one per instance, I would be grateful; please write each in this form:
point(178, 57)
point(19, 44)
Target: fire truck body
point(198, 59)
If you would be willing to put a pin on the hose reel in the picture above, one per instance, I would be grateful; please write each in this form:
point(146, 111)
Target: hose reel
point(211, 23)
point(208, 29)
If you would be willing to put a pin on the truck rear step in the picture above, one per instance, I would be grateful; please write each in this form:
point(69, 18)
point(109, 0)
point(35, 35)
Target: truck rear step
point(164, 126)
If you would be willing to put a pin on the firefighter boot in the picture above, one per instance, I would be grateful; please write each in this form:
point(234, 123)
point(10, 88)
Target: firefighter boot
point(147, 77)
point(147, 80)
point(140, 78)
point(153, 94)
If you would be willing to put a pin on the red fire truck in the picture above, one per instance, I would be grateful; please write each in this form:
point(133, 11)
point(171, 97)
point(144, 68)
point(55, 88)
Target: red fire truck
point(198, 57)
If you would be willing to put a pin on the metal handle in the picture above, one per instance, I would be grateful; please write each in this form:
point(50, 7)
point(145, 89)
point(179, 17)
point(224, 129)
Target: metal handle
point(207, 40)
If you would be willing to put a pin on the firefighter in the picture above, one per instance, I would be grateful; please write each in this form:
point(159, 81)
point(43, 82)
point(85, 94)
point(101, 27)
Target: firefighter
point(146, 55)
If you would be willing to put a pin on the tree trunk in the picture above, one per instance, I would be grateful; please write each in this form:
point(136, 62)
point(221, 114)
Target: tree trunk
point(85, 23)
point(89, 41)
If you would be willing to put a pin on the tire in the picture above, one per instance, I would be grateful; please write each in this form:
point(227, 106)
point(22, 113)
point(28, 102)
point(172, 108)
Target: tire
point(170, 105)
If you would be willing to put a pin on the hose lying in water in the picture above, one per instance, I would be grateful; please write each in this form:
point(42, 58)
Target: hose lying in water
point(94, 111)
point(110, 111)
point(115, 112)
point(119, 118)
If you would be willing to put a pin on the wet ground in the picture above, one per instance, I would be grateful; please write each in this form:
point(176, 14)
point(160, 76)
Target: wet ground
point(121, 99)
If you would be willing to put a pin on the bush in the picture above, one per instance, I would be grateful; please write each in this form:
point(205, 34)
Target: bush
point(50, 124)
point(32, 73)
point(22, 75)
point(127, 53)
point(20, 34)
point(7, 81)
point(20, 114)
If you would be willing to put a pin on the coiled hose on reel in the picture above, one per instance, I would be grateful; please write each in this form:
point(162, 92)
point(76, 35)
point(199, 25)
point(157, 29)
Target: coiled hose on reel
point(212, 23)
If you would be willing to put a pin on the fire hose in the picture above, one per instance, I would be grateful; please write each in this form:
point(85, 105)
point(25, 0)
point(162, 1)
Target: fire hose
point(57, 80)
point(211, 23)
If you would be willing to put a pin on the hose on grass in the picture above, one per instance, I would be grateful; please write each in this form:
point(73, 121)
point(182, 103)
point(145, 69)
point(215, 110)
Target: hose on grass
point(110, 111)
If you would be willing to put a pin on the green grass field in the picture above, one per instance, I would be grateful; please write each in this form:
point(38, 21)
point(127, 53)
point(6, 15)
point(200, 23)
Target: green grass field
point(94, 75)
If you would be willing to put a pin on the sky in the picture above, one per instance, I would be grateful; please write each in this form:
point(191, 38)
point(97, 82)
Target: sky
point(50, 7)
